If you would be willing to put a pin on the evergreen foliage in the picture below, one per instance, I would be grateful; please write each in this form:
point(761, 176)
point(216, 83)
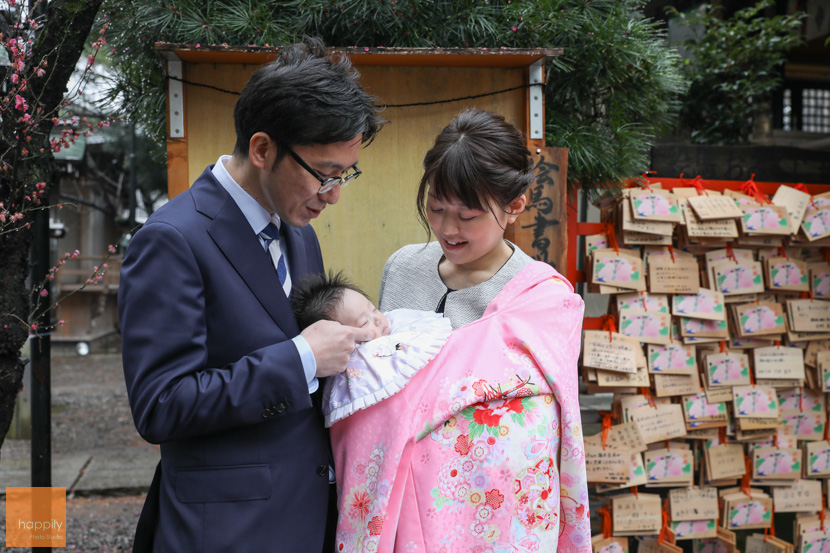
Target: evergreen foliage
point(734, 66)
point(616, 86)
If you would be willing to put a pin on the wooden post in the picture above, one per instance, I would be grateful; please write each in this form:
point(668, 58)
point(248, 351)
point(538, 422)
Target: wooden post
point(542, 230)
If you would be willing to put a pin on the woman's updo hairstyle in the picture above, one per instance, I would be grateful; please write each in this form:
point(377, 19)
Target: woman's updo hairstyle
point(477, 157)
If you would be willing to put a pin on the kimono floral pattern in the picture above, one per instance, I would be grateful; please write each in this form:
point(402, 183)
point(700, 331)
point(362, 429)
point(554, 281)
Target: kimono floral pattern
point(482, 449)
point(364, 502)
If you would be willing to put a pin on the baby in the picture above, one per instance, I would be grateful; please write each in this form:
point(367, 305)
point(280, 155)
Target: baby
point(319, 297)
point(404, 341)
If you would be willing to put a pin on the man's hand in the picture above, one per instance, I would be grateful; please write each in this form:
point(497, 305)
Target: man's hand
point(332, 343)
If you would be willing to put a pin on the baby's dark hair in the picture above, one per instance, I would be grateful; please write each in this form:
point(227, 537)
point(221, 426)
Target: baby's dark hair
point(317, 297)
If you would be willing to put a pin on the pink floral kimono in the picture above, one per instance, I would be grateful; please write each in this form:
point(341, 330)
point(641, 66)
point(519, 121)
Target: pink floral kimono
point(482, 450)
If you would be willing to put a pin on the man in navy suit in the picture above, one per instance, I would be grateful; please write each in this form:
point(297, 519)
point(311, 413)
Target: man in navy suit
point(216, 369)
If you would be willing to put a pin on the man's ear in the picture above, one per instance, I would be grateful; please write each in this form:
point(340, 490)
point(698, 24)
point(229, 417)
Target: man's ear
point(262, 151)
point(516, 208)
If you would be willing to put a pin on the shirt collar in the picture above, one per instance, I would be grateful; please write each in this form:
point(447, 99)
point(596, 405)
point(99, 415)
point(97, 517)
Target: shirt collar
point(256, 215)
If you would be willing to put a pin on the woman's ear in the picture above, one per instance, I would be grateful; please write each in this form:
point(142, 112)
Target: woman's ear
point(516, 208)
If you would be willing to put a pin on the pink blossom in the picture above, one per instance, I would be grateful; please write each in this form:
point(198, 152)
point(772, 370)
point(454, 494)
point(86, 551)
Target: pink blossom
point(60, 322)
point(15, 78)
point(19, 103)
point(40, 72)
point(111, 248)
point(34, 327)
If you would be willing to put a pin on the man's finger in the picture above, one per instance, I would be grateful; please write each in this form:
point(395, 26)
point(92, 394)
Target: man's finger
point(361, 334)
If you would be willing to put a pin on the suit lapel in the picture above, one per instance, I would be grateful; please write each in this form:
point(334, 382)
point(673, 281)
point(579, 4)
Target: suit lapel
point(232, 234)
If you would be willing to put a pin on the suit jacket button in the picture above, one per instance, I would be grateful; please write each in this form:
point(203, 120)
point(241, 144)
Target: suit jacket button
point(266, 413)
point(281, 407)
point(323, 470)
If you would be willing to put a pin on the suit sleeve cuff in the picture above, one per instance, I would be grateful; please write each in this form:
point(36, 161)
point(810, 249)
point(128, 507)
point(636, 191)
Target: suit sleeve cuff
point(309, 363)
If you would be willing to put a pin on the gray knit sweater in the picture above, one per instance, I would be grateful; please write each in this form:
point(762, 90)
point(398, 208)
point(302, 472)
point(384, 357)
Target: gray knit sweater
point(411, 280)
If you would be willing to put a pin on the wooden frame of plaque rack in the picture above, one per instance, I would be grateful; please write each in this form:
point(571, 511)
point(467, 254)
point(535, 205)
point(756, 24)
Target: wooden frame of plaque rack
point(423, 89)
point(577, 229)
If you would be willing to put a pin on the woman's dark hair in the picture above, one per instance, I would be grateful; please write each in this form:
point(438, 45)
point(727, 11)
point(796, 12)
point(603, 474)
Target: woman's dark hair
point(477, 157)
point(317, 297)
point(305, 97)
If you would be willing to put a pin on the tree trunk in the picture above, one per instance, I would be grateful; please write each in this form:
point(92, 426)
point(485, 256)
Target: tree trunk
point(60, 41)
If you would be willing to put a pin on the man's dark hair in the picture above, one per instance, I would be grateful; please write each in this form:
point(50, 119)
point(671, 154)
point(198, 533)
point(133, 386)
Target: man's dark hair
point(317, 297)
point(305, 97)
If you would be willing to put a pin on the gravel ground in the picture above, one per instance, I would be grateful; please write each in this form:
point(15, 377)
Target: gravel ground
point(89, 412)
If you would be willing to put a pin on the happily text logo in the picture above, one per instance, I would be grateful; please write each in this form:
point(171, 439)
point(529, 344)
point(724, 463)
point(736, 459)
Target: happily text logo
point(35, 517)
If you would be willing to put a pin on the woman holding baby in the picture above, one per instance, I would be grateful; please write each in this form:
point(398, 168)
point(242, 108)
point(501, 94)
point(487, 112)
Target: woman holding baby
point(482, 449)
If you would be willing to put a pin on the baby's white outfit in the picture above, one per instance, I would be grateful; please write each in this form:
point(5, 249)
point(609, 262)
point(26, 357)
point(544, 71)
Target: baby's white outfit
point(382, 367)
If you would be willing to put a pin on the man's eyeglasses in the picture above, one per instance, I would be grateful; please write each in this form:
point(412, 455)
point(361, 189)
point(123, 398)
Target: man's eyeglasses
point(331, 182)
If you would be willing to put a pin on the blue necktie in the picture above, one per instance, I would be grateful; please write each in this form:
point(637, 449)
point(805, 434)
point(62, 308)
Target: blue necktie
point(271, 235)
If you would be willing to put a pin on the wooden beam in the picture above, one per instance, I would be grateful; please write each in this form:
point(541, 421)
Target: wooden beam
point(435, 57)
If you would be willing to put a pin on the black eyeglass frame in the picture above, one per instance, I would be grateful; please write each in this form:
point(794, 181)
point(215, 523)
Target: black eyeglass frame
point(329, 183)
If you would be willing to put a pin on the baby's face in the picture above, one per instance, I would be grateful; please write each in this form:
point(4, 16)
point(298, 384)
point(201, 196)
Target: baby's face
point(356, 310)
